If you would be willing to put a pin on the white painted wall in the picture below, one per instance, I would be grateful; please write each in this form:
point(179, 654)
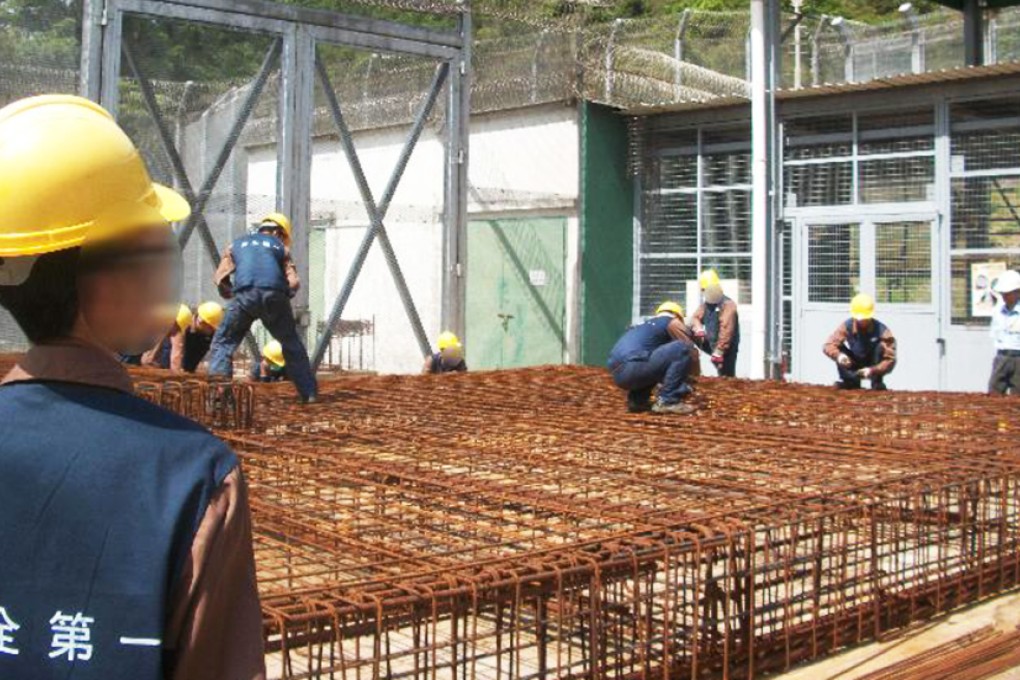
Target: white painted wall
point(525, 160)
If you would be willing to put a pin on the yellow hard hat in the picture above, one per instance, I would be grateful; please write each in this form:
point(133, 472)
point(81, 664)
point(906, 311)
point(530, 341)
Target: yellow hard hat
point(862, 307)
point(273, 351)
point(671, 307)
point(280, 220)
point(184, 317)
point(211, 313)
point(67, 173)
point(448, 340)
point(709, 279)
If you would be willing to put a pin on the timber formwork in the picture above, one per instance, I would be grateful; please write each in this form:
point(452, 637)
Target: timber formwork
point(522, 525)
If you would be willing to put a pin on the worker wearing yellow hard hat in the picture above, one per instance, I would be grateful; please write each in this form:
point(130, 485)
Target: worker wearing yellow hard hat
point(716, 324)
point(1005, 330)
point(449, 358)
point(187, 342)
point(272, 367)
point(862, 347)
point(659, 352)
point(259, 278)
point(117, 514)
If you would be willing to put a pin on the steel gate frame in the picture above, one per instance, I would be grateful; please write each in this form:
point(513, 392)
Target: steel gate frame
point(297, 32)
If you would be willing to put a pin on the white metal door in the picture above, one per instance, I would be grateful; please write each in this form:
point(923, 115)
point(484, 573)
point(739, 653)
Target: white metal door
point(894, 258)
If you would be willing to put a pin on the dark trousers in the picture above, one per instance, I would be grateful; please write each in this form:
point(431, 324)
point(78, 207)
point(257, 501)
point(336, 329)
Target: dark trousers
point(669, 365)
point(272, 308)
point(848, 374)
point(728, 368)
point(1005, 374)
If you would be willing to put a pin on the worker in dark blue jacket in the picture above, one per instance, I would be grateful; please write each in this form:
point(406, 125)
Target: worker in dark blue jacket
point(264, 281)
point(125, 533)
point(659, 352)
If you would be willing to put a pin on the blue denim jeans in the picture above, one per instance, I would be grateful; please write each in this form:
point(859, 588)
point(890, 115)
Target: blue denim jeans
point(272, 308)
point(668, 365)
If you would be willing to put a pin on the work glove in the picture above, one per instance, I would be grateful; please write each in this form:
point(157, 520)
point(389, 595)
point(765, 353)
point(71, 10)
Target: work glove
point(864, 374)
point(843, 360)
point(717, 359)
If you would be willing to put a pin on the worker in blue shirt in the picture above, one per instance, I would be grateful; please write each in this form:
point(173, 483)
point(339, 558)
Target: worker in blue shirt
point(124, 528)
point(659, 352)
point(449, 358)
point(1006, 335)
point(259, 278)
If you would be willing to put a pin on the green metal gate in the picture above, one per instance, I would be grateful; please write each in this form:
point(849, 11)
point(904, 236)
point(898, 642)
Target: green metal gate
point(516, 292)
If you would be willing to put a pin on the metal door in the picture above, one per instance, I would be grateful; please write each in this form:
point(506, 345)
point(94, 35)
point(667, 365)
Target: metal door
point(516, 293)
point(893, 257)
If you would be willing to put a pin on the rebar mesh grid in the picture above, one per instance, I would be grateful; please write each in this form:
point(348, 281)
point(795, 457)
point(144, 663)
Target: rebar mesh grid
point(521, 524)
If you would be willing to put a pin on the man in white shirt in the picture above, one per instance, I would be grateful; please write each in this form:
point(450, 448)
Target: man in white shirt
point(1006, 335)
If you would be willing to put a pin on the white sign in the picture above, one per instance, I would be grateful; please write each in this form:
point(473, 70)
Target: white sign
point(982, 284)
point(538, 277)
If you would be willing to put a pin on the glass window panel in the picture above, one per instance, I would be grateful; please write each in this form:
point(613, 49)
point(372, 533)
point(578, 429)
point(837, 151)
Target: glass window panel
point(986, 212)
point(897, 180)
point(819, 184)
point(670, 223)
point(903, 262)
point(969, 298)
point(664, 279)
point(833, 262)
point(727, 221)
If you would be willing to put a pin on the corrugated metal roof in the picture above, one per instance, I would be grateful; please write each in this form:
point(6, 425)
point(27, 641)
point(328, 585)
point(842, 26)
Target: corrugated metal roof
point(902, 80)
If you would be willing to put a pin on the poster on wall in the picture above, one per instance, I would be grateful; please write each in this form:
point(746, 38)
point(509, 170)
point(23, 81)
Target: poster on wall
point(731, 287)
point(982, 281)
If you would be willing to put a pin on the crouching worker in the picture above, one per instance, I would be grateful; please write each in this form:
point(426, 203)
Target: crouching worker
point(126, 537)
point(862, 347)
point(660, 352)
point(273, 366)
point(264, 281)
point(188, 341)
point(449, 358)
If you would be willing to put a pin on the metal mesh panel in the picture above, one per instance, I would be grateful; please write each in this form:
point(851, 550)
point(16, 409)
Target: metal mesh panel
point(726, 221)
point(903, 262)
point(985, 134)
point(986, 212)
point(833, 262)
point(662, 279)
point(894, 180)
point(671, 223)
point(819, 184)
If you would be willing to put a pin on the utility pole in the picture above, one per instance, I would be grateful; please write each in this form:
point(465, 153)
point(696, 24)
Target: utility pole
point(764, 53)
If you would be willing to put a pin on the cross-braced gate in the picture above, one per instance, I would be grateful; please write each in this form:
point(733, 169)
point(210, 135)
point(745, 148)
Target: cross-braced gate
point(292, 66)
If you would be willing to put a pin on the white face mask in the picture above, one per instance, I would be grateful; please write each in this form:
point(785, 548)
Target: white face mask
point(713, 295)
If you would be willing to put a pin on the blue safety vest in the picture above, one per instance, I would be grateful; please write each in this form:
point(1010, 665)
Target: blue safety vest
point(259, 262)
point(101, 494)
point(863, 347)
point(641, 340)
point(443, 365)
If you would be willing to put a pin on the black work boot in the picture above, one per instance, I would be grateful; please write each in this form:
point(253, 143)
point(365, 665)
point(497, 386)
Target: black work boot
point(635, 405)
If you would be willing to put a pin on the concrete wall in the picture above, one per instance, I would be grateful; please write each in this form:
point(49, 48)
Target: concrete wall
point(523, 161)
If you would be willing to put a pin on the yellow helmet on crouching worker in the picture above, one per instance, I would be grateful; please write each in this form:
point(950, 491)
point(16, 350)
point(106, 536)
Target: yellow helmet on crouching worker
point(211, 313)
point(184, 317)
point(273, 352)
point(448, 340)
point(69, 173)
point(862, 307)
point(670, 307)
point(279, 220)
